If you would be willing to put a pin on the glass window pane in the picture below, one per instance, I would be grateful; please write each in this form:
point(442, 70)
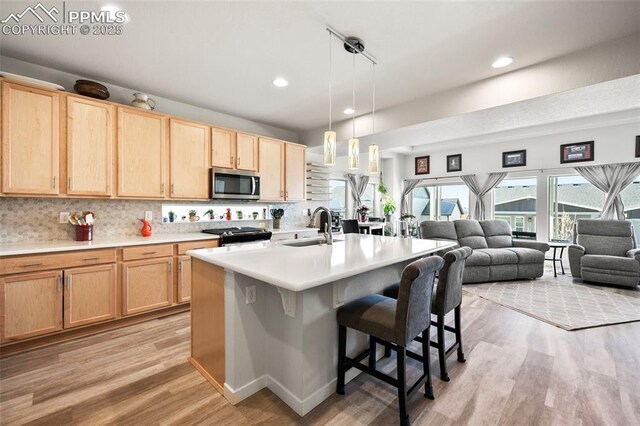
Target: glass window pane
point(571, 198)
point(515, 202)
point(454, 202)
point(368, 198)
point(631, 200)
point(422, 206)
point(338, 197)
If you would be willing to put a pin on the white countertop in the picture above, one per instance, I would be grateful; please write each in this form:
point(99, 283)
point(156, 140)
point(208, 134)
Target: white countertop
point(301, 268)
point(70, 245)
point(292, 230)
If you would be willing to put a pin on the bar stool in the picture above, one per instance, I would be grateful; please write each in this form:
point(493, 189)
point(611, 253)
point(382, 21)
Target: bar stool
point(448, 297)
point(394, 323)
point(350, 226)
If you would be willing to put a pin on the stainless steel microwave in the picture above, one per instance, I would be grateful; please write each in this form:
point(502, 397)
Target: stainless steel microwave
point(234, 184)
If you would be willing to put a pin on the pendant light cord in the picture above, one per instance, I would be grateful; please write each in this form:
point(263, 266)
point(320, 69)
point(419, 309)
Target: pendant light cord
point(373, 109)
point(353, 96)
point(330, 80)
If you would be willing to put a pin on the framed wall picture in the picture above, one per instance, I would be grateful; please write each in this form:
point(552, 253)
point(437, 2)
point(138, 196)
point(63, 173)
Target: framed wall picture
point(454, 163)
point(637, 146)
point(514, 158)
point(422, 165)
point(576, 152)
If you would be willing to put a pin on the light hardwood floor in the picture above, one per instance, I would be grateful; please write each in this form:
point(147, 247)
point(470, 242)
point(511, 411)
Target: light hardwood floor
point(518, 371)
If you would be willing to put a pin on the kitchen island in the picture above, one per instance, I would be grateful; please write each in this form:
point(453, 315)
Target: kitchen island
point(263, 315)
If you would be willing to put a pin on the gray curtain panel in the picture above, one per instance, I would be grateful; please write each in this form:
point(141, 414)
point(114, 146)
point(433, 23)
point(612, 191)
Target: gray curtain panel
point(492, 181)
point(611, 179)
point(407, 186)
point(358, 184)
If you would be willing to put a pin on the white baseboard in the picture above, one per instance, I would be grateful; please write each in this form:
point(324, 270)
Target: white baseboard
point(244, 392)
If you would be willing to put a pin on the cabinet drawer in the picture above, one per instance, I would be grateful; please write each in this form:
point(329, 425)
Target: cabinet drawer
point(195, 245)
point(147, 252)
point(19, 264)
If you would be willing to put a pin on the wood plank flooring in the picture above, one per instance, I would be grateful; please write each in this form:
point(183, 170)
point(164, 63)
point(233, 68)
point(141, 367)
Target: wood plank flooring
point(518, 371)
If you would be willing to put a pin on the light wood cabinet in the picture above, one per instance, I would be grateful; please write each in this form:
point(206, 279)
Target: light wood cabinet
point(30, 305)
point(89, 295)
point(30, 140)
point(189, 159)
point(246, 152)
point(271, 170)
point(89, 147)
point(141, 154)
point(184, 279)
point(223, 148)
point(294, 173)
point(147, 285)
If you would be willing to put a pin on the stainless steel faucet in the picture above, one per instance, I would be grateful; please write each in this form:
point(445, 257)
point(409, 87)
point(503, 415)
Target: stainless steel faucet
point(328, 235)
point(312, 223)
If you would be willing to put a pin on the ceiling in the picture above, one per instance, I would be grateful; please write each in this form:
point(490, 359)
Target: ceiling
point(224, 55)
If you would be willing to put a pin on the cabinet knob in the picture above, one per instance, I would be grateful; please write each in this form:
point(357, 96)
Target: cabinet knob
point(172, 189)
point(162, 188)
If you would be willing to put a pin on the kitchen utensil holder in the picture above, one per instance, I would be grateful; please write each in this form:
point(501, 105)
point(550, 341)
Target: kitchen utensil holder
point(84, 232)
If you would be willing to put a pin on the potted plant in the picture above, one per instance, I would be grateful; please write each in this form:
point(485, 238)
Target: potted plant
point(277, 214)
point(363, 211)
point(254, 215)
point(193, 217)
point(239, 214)
point(382, 188)
point(211, 214)
point(172, 216)
point(388, 208)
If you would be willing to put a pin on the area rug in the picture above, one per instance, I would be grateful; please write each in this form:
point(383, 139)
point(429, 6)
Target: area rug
point(562, 302)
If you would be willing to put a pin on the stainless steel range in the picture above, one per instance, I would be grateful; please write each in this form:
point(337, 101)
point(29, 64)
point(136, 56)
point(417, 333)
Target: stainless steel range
point(237, 235)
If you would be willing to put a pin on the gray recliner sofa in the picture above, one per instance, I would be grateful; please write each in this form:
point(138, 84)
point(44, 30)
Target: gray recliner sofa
point(496, 255)
point(604, 252)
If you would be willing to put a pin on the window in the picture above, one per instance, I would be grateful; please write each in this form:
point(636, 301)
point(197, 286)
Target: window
point(631, 200)
point(443, 202)
point(571, 198)
point(515, 202)
point(369, 198)
point(338, 196)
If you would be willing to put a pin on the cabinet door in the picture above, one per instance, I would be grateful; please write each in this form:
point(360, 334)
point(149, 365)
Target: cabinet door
point(146, 285)
point(247, 152)
point(189, 159)
point(223, 148)
point(271, 170)
point(184, 279)
point(30, 140)
point(89, 147)
point(141, 154)
point(30, 305)
point(295, 173)
point(89, 295)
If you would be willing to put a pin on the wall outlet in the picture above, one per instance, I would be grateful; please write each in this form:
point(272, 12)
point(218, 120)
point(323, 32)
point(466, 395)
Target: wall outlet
point(250, 294)
point(148, 215)
point(64, 217)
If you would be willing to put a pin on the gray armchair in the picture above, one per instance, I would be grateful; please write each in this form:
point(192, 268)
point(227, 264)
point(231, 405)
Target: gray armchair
point(604, 252)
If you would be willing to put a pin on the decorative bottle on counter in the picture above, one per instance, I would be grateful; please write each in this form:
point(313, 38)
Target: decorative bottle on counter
point(146, 228)
point(228, 214)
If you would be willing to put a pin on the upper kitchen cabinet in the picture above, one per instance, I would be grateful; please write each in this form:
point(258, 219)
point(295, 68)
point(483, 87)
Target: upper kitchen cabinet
point(89, 147)
point(272, 171)
point(141, 154)
point(189, 159)
point(294, 172)
point(30, 140)
point(231, 150)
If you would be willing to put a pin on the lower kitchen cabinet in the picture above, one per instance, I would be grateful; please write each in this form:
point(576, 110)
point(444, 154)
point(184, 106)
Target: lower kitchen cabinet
point(89, 295)
point(184, 279)
point(30, 304)
point(147, 285)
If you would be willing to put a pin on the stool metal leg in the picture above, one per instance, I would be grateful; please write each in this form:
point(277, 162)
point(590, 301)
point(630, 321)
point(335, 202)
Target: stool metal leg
point(342, 353)
point(441, 348)
point(561, 254)
point(458, 334)
point(426, 363)
point(372, 354)
point(555, 273)
point(402, 386)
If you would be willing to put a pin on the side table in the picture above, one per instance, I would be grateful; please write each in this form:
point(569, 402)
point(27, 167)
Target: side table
point(555, 258)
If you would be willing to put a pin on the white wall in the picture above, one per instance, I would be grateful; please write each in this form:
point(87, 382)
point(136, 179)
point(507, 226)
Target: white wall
point(124, 95)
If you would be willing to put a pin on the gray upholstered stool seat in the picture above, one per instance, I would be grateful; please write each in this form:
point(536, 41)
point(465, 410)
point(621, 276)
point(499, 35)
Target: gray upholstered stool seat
point(393, 323)
point(448, 297)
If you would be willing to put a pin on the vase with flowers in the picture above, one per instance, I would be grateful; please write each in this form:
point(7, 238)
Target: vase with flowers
point(363, 212)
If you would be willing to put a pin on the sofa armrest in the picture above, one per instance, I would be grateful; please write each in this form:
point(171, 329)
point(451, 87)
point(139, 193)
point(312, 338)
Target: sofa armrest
point(634, 253)
point(536, 245)
point(575, 256)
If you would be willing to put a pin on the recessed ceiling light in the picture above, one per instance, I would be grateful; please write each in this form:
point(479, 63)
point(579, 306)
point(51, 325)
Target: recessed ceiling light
point(349, 111)
point(280, 82)
point(502, 62)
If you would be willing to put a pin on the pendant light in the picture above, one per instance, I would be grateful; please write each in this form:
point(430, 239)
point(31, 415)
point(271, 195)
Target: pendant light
point(353, 155)
point(329, 135)
point(374, 155)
